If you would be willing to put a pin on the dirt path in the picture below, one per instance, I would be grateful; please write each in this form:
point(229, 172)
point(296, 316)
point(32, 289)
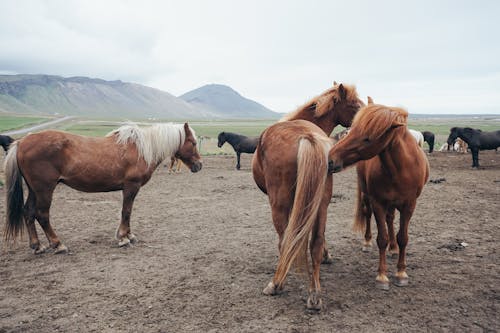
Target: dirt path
point(207, 248)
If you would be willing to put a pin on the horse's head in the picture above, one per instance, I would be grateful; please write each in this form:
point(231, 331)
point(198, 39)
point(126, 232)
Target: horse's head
point(188, 152)
point(373, 128)
point(452, 137)
point(347, 104)
point(221, 139)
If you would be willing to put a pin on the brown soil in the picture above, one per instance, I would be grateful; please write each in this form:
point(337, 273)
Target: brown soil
point(207, 248)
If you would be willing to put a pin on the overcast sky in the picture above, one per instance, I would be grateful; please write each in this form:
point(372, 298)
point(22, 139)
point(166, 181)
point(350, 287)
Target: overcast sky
point(427, 56)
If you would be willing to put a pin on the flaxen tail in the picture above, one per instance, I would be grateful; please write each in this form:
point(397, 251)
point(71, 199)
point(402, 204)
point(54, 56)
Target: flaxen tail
point(14, 185)
point(311, 177)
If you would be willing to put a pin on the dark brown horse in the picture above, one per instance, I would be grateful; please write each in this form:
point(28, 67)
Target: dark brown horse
point(123, 160)
point(392, 170)
point(476, 140)
point(290, 166)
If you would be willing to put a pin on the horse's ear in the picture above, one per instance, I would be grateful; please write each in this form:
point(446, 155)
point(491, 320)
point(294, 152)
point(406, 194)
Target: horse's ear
point(186, 128)
point(342, 91)
point(370, 100)
point(335, 83)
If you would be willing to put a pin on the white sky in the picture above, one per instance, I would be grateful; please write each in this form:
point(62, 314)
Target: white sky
point(427, 56)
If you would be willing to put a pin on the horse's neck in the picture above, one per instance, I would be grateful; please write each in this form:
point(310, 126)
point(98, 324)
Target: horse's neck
point(324, 122)
point(393, 156)
point(233, 139)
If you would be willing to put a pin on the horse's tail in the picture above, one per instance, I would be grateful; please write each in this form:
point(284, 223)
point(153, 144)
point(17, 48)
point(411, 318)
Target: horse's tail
point(14, 185)
point(312, 172)
point(359, 224)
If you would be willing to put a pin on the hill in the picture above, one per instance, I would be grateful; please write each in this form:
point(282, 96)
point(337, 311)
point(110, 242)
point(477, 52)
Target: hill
point(227, 103)
point(82, 96)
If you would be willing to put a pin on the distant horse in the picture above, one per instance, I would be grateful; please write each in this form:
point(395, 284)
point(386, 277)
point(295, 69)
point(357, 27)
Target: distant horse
point(5, 142)
point(337, 137)
point(459, 146)
point(392, 171)
point(123, 160)
point(175, 165)
point(418, 136)
point(290, 166)
point(476, 140)
point(429, 138)
point(240, 143)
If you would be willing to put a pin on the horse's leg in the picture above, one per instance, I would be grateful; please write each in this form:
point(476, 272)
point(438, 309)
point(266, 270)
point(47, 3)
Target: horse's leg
point(123, 233)
point(29, 219)
point(380, 213)
point(171, 167)
point(317, 248)
point(327, 257)
point(475, 157)
point(280, 210)
point(393, 247)
point(405, 216)
point(238, 160)
point(367, 212)
point(42, 204)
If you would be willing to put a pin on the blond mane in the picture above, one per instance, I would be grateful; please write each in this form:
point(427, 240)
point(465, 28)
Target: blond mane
point(321, 104)
point(375, 119)
point(154, 143)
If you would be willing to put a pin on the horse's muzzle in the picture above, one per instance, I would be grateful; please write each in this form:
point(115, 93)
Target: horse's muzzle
point(333, 167)
point(196, 166)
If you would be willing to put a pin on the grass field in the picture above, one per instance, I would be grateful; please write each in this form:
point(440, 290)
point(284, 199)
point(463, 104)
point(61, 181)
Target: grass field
point(10, 122)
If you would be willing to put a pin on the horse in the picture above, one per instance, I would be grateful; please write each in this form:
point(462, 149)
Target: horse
point(290, 166)
point(476, 140)
point(418, 136)
point(392, 171)
point(175, 165)
point(123, 160)
point(240, 144)
point(5, 142)
point(429, 138)
point(337, 137)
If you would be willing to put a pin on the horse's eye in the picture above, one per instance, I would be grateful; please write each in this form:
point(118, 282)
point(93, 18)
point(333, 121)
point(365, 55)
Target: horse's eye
point(367, 140)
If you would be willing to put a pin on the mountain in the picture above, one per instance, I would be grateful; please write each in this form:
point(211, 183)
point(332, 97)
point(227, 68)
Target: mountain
point(81, 96)
point(227, 103)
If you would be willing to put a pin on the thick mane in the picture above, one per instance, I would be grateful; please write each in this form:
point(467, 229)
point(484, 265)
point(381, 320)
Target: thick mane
point(321, 104)
point(154, 143)
point(374, 120)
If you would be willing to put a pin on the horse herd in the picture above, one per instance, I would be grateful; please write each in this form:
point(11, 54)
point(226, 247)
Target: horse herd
point(293, 164)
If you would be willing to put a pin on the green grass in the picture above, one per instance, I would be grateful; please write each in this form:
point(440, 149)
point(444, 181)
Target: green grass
point(11, 122)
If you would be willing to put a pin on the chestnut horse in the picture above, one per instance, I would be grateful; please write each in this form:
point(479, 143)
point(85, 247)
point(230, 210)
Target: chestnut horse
point(392, 171)
point(290, 166)
point(123, 160)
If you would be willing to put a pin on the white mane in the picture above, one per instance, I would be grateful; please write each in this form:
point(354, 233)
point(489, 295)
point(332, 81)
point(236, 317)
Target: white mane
point(154, 143)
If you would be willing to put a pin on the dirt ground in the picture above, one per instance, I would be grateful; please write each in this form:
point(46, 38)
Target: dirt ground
point(207, 248)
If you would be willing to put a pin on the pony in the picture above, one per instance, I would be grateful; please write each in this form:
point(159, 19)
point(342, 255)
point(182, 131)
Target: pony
point(290, 166)
point(175, 165)
point(5, 142)
point(392, 171)
point(476, 140)
point(240, 144)
point(123, 160)
point(418, 136)
point(429, 138)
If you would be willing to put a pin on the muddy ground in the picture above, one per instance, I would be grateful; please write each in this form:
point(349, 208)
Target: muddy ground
point(207, 248)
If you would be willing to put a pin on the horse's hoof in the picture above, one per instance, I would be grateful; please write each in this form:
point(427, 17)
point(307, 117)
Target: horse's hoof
point(40, 249)
point(382, 285)
point(132, 238)
point(314, 301)
point(124, 242)
point(401, 282)
point(61, 249)
point(394, 253)
point(271, 289)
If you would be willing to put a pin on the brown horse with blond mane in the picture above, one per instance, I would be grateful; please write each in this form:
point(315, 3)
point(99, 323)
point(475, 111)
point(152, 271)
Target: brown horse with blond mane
point(296, 181)
point(392, 170)
point(123, 160)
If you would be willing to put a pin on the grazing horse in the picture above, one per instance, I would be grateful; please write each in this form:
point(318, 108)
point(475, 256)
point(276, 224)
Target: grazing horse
point(290, 166)
point(5, 142)
point(240, 144)
point(476, 140)
point(418, 136)
point(123, 160)
point(429, 138)
point(392, 170)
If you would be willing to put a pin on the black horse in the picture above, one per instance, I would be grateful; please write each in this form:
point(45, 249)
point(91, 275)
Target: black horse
point(5, 142)
point(429, 138)
point(240, 143)
point(476, 139)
